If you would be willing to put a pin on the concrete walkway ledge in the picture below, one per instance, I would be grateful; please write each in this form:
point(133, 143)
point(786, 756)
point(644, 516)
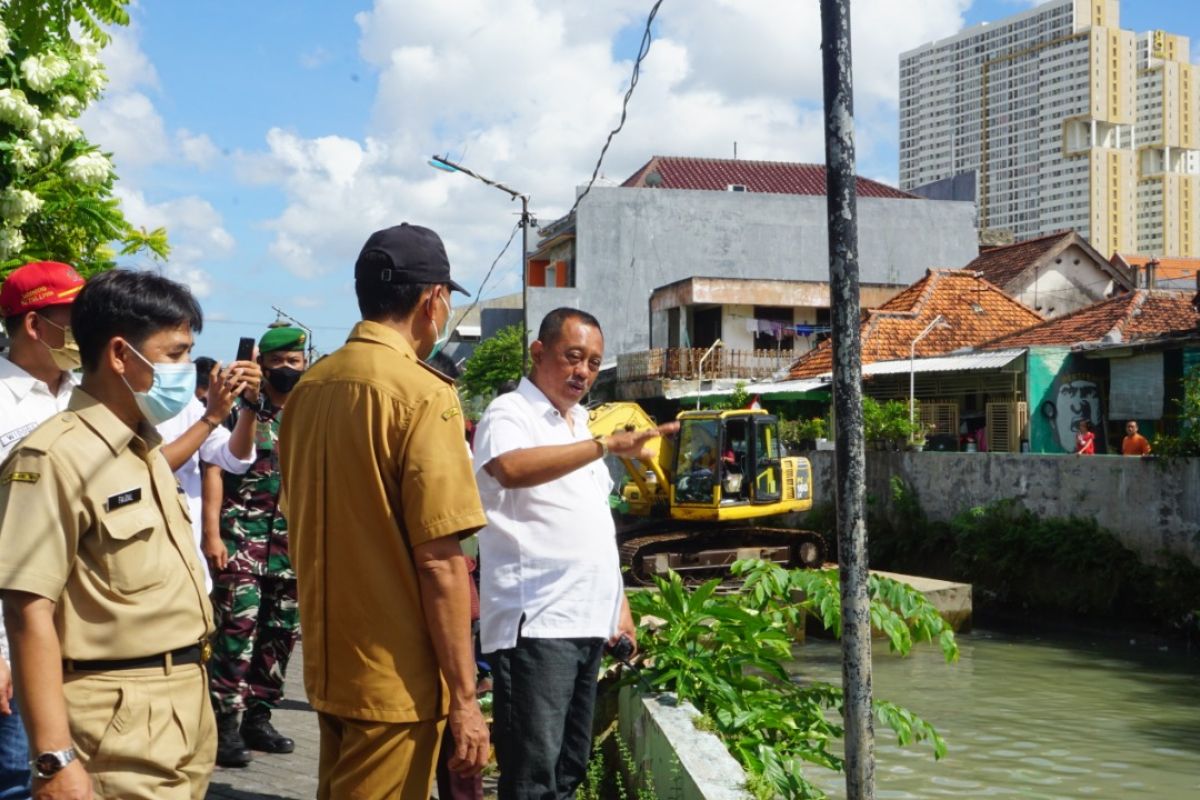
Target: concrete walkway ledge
point(683, 761)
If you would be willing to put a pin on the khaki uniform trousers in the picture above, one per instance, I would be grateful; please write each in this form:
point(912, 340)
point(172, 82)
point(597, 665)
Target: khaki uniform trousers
point(362, 760)
point(143, 733)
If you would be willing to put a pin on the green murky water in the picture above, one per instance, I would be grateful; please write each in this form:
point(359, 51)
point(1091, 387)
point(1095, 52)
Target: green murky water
point(1035, 717)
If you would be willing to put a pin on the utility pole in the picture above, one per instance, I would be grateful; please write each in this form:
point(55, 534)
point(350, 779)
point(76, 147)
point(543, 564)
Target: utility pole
point(842, 210)
point(446, 165)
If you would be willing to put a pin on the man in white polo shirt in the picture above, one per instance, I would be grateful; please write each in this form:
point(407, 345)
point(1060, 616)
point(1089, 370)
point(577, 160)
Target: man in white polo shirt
point(551, 592)
point(35, 384)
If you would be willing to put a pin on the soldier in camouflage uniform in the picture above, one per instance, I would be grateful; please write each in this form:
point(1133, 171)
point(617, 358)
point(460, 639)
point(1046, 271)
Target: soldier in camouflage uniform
point(254, 592)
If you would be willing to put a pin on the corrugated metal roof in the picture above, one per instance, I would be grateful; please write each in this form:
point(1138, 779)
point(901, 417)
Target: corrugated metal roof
point(765, 389)
point(995, 359)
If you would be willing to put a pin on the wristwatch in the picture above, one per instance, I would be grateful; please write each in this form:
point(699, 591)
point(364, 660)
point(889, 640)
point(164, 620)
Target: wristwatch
point(51, 762)
point(258, 407)
point(600, 439)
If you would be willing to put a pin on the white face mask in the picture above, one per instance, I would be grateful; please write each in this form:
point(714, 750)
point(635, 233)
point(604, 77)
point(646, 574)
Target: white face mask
point(443, 336)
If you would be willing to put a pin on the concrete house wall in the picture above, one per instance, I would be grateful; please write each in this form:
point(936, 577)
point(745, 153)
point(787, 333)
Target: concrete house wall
point(1070, 280)
point(631, 240)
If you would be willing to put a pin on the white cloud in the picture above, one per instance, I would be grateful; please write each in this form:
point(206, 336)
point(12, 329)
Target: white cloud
point(129, 126)
point(529, 91)
point(196, 230)
point(126, 122)
point(197, 149)
point(127, 66)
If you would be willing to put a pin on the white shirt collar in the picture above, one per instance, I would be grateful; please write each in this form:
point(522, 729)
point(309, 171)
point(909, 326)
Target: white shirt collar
point(21, 383)
point(541, 404)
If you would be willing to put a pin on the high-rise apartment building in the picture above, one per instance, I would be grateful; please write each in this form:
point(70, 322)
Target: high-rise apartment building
point(1064, 121)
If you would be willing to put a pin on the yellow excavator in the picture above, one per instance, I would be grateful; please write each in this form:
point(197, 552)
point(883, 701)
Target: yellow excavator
point(715, 492)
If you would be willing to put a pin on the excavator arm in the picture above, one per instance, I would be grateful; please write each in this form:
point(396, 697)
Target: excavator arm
point(618, 417)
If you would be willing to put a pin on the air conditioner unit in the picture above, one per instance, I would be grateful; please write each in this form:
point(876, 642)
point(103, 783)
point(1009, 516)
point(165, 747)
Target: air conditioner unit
point(1006, 426)
point(941, 417)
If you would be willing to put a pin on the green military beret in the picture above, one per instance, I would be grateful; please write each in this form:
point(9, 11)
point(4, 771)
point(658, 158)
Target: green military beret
point(282, 339)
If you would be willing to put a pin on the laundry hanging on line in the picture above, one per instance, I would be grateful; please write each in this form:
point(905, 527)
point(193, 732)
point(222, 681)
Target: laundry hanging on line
point(777, 329)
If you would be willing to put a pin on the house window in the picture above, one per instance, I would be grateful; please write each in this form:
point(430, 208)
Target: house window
point(771, 322)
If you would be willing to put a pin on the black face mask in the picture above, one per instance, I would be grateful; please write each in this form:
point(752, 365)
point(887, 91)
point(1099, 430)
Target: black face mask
point(283, 379)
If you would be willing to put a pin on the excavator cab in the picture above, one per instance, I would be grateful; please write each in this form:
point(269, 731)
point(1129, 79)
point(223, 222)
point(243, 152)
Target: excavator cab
point(717, 491)
point(728, 462)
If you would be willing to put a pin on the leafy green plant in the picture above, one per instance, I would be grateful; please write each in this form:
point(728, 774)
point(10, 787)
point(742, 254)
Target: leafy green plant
point(604, 783)
point(740, 398)
point(1016, 559)
point(1187, 442)
point(887, 421)
point(57, 200)
point(728, 655)
point(496, 360)
point(793, 432)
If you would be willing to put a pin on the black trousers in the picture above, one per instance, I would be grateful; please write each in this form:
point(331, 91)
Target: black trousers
point(543, 696)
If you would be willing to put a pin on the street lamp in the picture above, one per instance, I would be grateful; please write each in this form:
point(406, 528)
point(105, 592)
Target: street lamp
point(437, 162)
point(938, 322)
point(700, 370)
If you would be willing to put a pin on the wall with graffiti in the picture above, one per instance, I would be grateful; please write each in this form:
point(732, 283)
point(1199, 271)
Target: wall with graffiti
point(1064, 388)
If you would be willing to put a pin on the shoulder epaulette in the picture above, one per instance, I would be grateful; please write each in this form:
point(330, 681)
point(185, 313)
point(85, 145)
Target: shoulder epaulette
point(41, 438)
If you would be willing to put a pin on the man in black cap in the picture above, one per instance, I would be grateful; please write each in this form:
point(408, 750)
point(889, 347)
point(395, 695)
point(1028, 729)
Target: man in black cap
point(378, 486)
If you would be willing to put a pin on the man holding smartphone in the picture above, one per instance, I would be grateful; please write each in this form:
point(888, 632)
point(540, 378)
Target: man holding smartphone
point(254, 587)
point(198, 433)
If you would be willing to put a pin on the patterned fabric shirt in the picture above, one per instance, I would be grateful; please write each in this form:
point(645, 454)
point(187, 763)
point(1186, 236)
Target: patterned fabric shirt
point(252, 525)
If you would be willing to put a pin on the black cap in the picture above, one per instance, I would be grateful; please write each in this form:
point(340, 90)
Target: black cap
point(405, 254)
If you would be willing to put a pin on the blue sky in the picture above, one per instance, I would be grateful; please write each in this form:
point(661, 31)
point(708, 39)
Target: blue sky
point(272, 137)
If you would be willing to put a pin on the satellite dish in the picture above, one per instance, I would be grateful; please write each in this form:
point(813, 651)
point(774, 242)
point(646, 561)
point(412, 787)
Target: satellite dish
point(653, 179)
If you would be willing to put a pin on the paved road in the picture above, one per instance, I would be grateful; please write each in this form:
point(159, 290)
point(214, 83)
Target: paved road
point(283, 777)
point(279, 777)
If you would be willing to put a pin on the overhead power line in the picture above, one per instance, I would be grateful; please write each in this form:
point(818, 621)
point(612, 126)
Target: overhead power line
point(633, 82)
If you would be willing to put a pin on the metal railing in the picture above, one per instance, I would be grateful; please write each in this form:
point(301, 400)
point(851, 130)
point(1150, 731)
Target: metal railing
point(682, 363)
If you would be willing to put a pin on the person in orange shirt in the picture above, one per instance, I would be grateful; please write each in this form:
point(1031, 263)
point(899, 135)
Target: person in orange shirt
point(1134, 444)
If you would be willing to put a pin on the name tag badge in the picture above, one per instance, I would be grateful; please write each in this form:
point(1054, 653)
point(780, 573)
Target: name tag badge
point(126, 498)
point(16, 434)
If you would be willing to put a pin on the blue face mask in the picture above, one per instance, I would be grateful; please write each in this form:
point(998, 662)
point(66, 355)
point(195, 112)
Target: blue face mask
point(173, 387)
point(443, 336)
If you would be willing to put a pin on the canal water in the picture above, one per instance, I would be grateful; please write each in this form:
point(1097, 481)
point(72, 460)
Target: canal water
point(1034, 716)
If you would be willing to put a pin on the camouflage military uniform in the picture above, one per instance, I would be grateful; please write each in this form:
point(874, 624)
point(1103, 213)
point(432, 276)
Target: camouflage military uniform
point(254, 596)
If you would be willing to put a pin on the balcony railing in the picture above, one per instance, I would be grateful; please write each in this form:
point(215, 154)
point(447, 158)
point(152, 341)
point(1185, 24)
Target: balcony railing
point(683, 363)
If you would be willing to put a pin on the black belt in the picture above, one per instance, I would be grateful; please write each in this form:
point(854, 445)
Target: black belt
point(192, 654)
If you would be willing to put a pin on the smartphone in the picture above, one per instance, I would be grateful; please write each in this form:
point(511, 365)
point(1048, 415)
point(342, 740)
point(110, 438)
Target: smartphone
point(245, 348)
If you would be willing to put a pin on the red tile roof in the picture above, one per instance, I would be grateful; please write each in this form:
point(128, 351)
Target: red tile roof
point(976, 310)
point(1181, 272)
point(771, 177)
point(1128, 317)
point(1005, 265)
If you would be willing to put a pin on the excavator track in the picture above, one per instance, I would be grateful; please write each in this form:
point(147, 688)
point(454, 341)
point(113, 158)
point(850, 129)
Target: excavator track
point(701, 554)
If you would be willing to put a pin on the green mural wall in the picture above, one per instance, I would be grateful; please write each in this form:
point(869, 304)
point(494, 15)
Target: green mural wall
point(1063, 389)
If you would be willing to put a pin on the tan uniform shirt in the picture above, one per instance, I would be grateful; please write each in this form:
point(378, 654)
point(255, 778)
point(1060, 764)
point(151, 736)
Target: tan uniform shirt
point(374, 463)
point(92, 518)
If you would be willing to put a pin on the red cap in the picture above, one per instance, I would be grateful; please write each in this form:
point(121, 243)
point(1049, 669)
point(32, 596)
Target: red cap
point(37, 285)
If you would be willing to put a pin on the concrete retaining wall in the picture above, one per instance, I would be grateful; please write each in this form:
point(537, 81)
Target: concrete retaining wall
point(684, 762)
point(1151, 506)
